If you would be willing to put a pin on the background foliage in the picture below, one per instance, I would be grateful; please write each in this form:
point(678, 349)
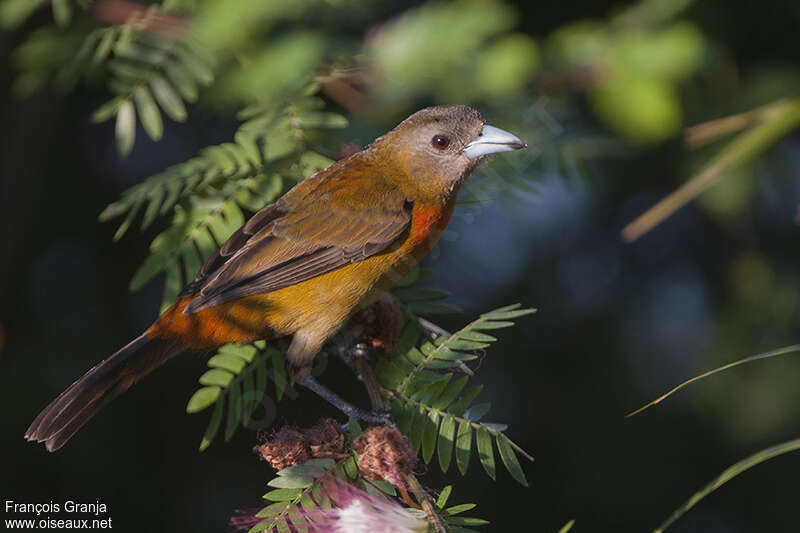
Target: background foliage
point(214, 118)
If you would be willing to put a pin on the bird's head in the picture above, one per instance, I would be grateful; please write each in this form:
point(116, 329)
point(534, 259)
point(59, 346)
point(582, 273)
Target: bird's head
point(444, 144)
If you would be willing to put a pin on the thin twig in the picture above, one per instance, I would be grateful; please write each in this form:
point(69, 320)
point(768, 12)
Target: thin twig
point(745, 146)
point(142, 18)
point(706, 132)
point(370, 381)
point(427, 503)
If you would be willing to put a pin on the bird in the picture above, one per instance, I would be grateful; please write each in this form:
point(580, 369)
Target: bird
point(302, 265)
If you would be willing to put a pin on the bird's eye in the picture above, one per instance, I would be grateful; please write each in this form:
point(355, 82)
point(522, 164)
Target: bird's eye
point(440, 142)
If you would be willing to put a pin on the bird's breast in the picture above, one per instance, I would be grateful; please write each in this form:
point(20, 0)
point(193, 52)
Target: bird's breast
point(427, 224)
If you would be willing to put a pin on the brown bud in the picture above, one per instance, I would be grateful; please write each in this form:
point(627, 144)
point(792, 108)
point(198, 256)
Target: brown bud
point(287, 447)
point(385, 453)
point(325, 440)
point(290, 446)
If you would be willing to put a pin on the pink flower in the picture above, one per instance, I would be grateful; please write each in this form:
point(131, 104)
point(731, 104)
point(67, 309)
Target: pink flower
point(355, 511)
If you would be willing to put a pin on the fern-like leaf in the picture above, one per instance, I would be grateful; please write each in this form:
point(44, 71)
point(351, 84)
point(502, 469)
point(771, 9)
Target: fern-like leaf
point(268, 144)
point(151, 74)
point(238, 376)
point(434, 410)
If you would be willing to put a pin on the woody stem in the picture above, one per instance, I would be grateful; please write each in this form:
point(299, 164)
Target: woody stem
point(426, 502)
point(335, 400)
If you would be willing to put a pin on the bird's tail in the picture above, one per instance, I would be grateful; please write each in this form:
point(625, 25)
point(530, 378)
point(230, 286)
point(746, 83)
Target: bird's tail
point(65, 415)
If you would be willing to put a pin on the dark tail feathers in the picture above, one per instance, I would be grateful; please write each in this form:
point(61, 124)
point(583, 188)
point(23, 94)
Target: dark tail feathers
point(65, 415)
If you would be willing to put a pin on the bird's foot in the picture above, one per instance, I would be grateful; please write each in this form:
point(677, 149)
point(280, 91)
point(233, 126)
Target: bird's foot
point(377, 416)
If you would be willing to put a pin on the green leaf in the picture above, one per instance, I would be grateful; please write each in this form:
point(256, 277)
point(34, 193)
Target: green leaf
point(299, 524)
point(417, 429)
point(15, 12)
point(249, 400)
point(62, 12)
point(459, 406)
point(447, 355)
point(282, 495)
point(168, 99)
point(310, 468)
point(485, 451)
point(457, 343)
point(234, 410)
point(354, 429)
point(463, 446)
point(273, 509)
point(243, 351)
point(149, 113)
point(125, 130)
point(403, 415)
point(202, 398)
point(444, 496)
point(322, 120)
point(261, 377)
point(154, 264)
point(350, 467)
point(461, 508)
point(228, 361)
point(491, 324)
point(279, 373)
point(172, 285)
point(216, 376)
point(567, 527)
point(476, 336)
point(467, 521)
point(446, 440)
point(106, 43)
point(320, 496)
point(213, 424)
point(477, 411)
point(291, 482)
point(507, 313)
point(182, 80)
point(429, 436)
point(509, 459)
point(450, 392)
point(283, 526)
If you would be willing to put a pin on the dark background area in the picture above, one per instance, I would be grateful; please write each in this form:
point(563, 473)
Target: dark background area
point(618, 324)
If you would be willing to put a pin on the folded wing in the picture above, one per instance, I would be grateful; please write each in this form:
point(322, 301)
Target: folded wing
point(328, 221)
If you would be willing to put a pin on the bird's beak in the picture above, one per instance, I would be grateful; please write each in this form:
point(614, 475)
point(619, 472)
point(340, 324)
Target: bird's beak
point(492, 140)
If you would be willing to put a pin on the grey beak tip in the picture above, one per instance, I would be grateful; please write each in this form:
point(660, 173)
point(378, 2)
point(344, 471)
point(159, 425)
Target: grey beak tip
point(492, 140)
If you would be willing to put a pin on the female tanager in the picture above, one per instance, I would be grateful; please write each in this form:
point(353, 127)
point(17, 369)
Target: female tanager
point(303, 264)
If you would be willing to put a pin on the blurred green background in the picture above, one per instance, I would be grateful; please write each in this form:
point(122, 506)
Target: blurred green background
point(602, 92)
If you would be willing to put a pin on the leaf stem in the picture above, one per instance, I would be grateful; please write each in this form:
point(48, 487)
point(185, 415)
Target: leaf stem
point(728, 474)
point(743, 147)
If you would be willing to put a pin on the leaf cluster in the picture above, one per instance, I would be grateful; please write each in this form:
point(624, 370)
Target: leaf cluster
point(238, 375)
point(149, 75)
point(436, 410)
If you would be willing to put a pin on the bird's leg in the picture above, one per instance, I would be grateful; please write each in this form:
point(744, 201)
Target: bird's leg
point(348, 409)
point(365, 372)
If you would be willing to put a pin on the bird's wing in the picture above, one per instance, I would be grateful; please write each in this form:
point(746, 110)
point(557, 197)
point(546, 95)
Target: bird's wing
point(330, 220)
